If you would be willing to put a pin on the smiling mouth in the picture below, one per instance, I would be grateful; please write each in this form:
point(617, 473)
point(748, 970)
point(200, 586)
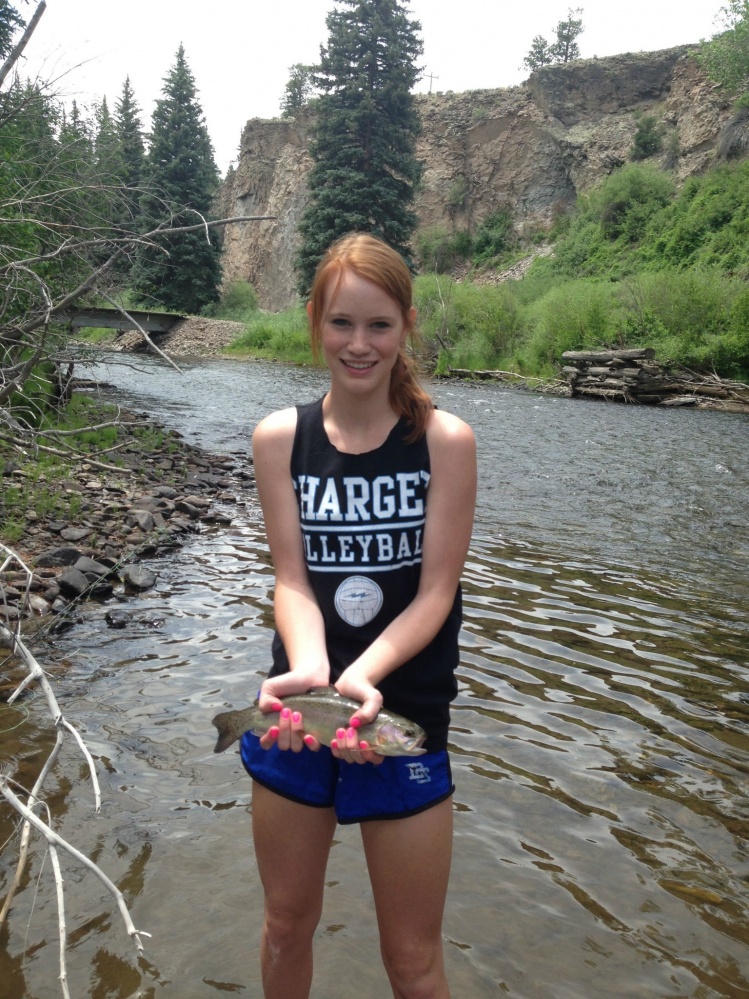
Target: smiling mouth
point(360, 365)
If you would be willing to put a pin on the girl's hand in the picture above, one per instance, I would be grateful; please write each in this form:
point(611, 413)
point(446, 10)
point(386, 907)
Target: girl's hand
point(349, 747)
point(353, 684)
point(289, 732)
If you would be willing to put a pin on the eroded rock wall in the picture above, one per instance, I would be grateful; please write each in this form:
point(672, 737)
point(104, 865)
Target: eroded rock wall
point(531, 148)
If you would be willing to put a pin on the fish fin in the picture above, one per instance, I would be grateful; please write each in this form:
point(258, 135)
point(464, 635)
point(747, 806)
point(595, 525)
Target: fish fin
point(225, 738)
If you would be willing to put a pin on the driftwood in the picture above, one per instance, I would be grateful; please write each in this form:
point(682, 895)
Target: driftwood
point(11, 638)
point(633, 376)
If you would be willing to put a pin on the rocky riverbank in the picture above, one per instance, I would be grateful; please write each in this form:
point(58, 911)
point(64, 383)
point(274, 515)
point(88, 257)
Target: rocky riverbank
point(165, 491)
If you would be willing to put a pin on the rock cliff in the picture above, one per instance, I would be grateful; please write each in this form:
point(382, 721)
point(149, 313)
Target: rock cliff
point(531, 148)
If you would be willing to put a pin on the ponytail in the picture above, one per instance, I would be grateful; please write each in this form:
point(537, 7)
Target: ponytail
point(407, 396)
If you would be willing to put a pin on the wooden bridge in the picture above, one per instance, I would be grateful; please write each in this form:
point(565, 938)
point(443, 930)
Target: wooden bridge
point(113, 319)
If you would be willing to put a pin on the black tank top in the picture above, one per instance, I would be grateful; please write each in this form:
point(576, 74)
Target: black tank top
point(362, 518)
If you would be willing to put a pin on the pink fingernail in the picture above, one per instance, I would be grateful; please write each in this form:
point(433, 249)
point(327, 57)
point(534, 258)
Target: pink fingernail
point(341, 733)
point(363, 744)
point(309, 740)
point(351, 733)
point(355, 722)
point(274, 731)
point(334, 743)
point(296, 716)
point(286, 713)
point(277, 706)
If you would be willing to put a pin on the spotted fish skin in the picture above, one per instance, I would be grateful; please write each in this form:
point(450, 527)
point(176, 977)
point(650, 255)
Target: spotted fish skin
point(324, 711)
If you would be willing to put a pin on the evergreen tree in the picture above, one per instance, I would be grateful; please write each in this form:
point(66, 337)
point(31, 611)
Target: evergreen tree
point(132, 166)
point(130, 134)
point(539, 55)
point(363, 138)
point(107, 155)
point(298, 90)
point(180, 271)
point(564, 49)
point(10, 22)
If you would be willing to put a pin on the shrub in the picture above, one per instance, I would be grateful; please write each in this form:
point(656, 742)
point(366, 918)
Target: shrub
point(576, 315)
point(456, 196)
point(440, 249)
point(494, 236)
point(238, 301)
point(282, 335)
point(466, 325)
point(648, 139)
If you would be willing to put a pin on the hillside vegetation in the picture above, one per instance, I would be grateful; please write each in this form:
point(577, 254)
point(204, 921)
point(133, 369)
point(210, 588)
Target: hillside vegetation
point(638, 263)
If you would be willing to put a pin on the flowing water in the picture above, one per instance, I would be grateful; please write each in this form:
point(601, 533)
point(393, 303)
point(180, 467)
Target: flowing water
point(600, 740)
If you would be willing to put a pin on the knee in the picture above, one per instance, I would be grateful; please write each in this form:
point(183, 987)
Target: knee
point(287, 928)
point(415, 970)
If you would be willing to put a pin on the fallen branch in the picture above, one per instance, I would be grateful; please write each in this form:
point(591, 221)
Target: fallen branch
point(54, 838)
point(26, 810)
point(140, 329)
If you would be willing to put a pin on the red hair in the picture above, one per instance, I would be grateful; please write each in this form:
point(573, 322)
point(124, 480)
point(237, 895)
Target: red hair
point(372, 259)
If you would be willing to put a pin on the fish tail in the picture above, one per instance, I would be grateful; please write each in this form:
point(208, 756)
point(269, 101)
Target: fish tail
point(225, 734)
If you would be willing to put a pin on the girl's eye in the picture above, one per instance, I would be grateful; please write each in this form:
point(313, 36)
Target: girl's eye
point(339, 322)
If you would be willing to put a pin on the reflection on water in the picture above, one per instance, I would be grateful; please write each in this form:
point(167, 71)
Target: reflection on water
point(600, 742)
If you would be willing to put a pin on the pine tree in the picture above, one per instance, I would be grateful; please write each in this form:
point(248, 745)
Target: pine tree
point(132, 165)
point(182, 271)
point(299, 89)
point(363, 138)
point(130, 134)
point(107, 154)
point(564, 49)
point(10, 22)
point(539, 55)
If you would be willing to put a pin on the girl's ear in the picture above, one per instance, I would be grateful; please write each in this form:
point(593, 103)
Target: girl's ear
point(410, 323)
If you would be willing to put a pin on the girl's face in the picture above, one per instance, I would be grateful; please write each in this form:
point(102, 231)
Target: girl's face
point(363, 330)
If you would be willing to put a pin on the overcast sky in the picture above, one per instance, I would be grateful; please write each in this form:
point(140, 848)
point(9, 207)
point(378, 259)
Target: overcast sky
point(240, 51)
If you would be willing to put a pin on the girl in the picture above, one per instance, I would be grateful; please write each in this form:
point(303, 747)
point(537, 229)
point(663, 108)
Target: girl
point(368, 498)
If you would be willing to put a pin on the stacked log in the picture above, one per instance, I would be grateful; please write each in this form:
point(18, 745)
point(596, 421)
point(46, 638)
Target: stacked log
point(634, 376)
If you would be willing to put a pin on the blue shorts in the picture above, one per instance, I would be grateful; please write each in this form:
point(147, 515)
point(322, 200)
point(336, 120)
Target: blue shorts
point(394, 789)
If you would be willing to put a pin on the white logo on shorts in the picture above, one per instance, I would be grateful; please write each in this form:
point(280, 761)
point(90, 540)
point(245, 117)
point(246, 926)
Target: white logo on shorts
point(419, 773)
point(358, 600)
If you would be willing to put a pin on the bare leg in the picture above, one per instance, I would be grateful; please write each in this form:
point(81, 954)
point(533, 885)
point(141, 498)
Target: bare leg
point(292, 843)
point(409, 866)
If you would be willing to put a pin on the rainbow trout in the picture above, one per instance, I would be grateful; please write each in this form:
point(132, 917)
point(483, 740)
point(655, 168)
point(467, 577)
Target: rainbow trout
point(324, 711)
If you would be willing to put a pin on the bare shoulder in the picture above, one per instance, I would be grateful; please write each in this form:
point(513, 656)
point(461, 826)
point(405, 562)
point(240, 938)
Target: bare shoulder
point(275, 429)
point(448, 433)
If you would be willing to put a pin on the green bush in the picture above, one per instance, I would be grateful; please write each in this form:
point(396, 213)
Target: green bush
point(648, 139)
point(439, 249)
point(238, 302)
point(281, 335)
point(494, 237)
point(466, 325)
point(608, 226)
point(572, 316)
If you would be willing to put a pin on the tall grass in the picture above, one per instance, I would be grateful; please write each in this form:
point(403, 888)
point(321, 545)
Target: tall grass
point(281, 335)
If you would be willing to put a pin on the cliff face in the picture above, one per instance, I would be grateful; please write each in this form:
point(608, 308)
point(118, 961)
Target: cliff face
point(531, 149)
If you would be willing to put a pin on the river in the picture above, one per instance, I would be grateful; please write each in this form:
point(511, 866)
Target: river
point(600, 739)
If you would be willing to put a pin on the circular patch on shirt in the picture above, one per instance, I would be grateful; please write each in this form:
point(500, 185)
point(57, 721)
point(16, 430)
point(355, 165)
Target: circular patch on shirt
point(358, 600)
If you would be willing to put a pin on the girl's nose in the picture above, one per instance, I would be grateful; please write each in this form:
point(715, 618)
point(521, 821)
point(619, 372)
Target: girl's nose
point(359, 339)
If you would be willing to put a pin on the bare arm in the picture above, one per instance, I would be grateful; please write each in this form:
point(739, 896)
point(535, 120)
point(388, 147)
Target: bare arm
point(298, 617)
point(449, 521)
